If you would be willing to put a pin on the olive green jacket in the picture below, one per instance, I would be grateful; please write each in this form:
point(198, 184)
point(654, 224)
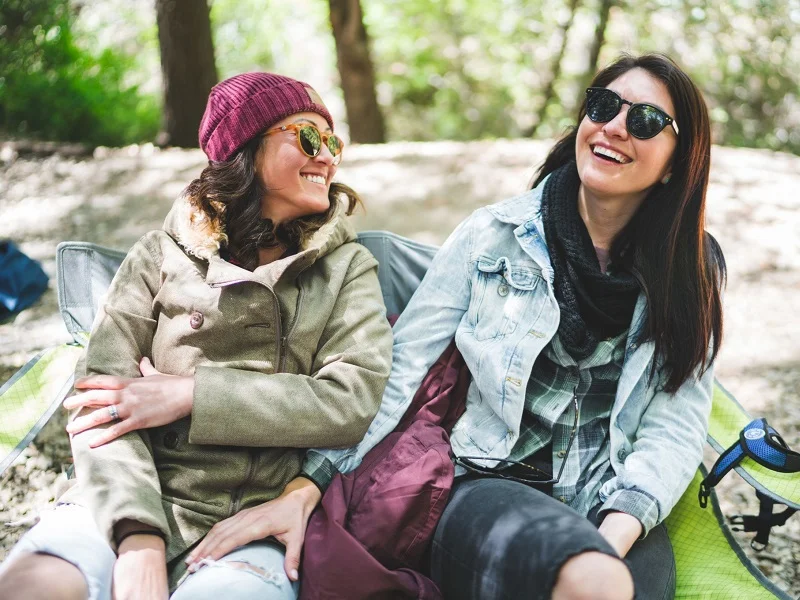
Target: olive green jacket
point(293, 355)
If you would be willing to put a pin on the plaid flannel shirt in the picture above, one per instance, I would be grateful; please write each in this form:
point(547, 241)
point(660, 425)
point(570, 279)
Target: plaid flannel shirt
point(549, 417)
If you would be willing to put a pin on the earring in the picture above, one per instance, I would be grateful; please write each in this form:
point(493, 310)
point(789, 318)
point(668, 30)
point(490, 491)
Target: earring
point(666, 178)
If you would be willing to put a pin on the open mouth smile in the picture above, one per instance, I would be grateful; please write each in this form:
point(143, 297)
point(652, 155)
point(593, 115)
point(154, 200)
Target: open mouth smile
point(314, 178)
point(610, 155)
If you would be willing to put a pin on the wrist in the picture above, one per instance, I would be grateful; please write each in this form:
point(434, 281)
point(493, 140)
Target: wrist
point(621, 530)
point(188, 395)
point(306, 491)
point(136, 541)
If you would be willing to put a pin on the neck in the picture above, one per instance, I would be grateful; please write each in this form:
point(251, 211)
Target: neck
point(605, 217)
point(268, 255)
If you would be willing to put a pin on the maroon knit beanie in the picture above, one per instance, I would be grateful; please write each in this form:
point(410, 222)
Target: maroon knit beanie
point(245, 105)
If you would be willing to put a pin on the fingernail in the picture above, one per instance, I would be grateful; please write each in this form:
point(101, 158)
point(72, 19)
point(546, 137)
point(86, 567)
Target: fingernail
point(192, 568)
point(295, 575)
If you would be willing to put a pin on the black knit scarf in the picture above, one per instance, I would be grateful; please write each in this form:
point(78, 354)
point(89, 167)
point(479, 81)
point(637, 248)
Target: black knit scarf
point(594, 305)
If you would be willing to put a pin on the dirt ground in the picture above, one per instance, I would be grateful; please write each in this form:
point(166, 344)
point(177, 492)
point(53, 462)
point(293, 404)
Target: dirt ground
point(423, 191)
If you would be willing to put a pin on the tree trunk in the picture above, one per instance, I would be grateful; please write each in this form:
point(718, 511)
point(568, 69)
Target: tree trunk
point(555, 69)
point(188, 68)
point(356, 72)
point(599, 39)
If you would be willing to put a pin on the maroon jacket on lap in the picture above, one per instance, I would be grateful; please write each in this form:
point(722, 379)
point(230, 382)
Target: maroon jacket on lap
point(370, 536)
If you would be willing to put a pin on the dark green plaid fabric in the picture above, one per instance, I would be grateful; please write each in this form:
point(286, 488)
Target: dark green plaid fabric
point(550, 414)
point(318, 469)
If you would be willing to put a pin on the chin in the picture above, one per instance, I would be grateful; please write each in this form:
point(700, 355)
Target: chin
point(313, 206)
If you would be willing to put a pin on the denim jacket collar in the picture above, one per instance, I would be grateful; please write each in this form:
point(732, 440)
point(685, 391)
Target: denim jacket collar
point(525, 211)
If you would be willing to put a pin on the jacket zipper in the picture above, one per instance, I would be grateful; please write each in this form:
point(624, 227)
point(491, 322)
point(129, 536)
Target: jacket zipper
point(236, 501)
point(252, 455)
point(290, 329)
point(279, 331)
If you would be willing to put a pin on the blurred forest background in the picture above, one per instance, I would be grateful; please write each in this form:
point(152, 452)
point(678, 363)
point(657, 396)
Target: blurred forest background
point(116, 72)
point(122, 72)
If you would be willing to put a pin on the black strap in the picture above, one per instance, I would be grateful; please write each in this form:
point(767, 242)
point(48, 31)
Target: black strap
point(763, 523)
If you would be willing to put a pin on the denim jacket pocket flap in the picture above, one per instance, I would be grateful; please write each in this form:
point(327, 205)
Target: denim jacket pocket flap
point(518, 277)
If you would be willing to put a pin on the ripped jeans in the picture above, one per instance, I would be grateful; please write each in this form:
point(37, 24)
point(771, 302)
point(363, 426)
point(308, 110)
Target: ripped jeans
point(253, 571)
point(249, 572)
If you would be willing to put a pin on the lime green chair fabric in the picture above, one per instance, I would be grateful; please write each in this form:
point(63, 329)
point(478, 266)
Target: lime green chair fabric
point(31, 396)
point(710, 565)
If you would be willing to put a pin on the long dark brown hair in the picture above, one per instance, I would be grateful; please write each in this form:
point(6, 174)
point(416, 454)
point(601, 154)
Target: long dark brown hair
point(679, 266)
point(229, 193)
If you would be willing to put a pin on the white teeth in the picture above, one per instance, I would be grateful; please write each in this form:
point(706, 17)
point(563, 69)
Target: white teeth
point(314, 178)
point(620, 158)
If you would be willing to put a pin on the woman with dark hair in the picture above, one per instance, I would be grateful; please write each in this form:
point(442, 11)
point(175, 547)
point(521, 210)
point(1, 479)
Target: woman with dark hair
point(588, 312)
point(259, 325)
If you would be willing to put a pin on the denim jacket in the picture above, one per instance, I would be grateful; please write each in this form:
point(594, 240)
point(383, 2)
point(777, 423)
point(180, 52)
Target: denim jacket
point(491, 286)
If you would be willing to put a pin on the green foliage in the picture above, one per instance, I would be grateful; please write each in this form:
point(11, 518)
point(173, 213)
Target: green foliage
point(466, 69)
point(743, 54)
point(55, 89)
point(271, 35)
point(445, 69)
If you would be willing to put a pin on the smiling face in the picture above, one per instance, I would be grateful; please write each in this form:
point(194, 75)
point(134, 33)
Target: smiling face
point(614, 164)
point(297, 185)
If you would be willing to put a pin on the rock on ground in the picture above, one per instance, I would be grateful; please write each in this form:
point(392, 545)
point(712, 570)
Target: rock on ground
point(422, 191)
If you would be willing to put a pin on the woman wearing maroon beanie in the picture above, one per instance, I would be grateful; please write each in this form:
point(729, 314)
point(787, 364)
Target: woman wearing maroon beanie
point(258, 324)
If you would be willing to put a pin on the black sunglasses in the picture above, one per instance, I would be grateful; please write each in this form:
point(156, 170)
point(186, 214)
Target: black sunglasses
point(530, 474)
point(643, 121)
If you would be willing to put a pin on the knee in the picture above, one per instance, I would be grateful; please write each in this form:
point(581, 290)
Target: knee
point(41, 576)
point(236, 579)
point(593, 576)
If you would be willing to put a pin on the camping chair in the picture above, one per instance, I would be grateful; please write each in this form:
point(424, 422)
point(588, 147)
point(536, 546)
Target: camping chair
point(710, 563)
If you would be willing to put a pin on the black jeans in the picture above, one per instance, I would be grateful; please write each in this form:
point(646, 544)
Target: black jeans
point(500, 539)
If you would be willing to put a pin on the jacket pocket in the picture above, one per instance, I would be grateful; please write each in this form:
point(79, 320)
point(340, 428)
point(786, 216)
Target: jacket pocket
point(394, 513)
point(501, 293)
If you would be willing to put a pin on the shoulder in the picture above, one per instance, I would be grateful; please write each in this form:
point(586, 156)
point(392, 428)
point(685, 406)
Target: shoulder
point(358, 256)
point(495, 225)
point(157, 250)
point(520, 208)
point(162, 245)
point(148, 249)
point(345, 262)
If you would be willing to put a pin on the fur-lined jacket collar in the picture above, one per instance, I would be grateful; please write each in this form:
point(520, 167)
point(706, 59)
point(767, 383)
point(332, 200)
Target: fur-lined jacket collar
point(198, 236)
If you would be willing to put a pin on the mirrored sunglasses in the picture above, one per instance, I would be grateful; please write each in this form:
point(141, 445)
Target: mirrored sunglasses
point(310, 140)
point(643, 121)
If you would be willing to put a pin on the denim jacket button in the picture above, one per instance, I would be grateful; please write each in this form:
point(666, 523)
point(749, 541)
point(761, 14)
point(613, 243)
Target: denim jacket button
point(503, 290)
point(562, 453)
point(196, 320)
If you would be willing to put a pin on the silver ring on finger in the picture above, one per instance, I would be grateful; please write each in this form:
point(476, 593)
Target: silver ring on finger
point(112, 410)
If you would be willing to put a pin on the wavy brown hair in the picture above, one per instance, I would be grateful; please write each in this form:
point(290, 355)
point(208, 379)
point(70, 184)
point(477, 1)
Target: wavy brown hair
point(229, 194)
point(680, 267)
